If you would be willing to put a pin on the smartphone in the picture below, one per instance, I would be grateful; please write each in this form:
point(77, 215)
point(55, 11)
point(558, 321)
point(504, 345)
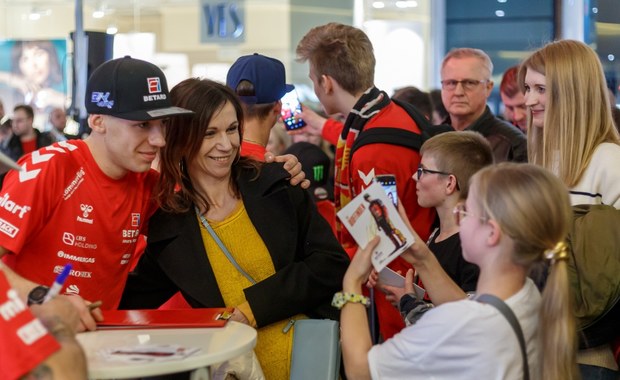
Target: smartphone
point(291, 107)
point(391, 278)
point(388, 181)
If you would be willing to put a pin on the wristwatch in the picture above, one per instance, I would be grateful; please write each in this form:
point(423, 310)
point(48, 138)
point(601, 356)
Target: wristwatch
point(37, 295)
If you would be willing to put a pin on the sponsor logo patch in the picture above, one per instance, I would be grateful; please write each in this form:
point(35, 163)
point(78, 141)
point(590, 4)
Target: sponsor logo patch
point(79, 259)
point(101, 99)
point(7, 204)
point(86, 210)
point(72, 289)
point(154, 85)
point(7, 228)
point(135, 219)
point(73, 273)
point(77, 241)
point(75, 183)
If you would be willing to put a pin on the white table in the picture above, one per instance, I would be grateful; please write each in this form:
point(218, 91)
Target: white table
point(217, 345)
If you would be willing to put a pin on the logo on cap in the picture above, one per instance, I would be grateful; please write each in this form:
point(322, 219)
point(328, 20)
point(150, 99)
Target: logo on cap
point(101, 99)
point(154, 85)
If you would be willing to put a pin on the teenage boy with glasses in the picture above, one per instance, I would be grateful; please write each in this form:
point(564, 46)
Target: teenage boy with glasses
point(448, 161)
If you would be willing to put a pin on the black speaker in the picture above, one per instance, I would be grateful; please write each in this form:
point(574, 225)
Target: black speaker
point(100, 48)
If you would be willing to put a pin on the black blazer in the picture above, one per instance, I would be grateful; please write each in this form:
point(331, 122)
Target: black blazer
point(309, 261)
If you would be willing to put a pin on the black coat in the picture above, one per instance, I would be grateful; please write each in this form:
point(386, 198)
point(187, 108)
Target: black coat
point(308, 260)
point(14, 147)
point(508, 143)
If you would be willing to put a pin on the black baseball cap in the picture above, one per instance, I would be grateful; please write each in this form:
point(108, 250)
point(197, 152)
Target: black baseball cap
point(130, 89)
point(316, 166)
point(265, 73)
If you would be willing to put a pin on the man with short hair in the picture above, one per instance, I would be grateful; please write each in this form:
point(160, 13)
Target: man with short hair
point(515, 110)
point(58, 121)
point(465, 86)
point(97, 191)
point(342, 70)
point(259, 82)
point(26, 138)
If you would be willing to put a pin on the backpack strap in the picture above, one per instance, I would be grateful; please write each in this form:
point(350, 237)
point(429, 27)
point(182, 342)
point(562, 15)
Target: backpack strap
point(400, 137)
point(514, 323)
point(393, 136)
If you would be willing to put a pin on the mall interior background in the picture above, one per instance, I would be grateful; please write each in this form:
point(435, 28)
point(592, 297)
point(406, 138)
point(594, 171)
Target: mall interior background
point(204, 37)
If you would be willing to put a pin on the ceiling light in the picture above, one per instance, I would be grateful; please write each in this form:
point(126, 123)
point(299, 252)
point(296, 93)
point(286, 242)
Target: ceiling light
point(407, 4)
point(36, 13)
point(102, 10)
point(112, 29)
point(378, 4)
point(500, 13)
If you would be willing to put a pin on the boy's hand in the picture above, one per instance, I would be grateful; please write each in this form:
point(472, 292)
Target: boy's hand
point(291, 165)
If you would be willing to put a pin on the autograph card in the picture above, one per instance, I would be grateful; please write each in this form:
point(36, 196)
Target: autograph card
point(371, 213)
point(148, 353)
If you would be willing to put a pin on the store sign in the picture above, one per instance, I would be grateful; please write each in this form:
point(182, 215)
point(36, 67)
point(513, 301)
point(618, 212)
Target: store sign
point(222, 21)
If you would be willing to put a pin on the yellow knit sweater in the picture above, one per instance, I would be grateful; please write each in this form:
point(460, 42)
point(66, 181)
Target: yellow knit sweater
point(273, 347)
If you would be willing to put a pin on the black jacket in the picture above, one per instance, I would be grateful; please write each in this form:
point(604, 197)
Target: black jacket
point(14, 148)
point(308, 260)
point(15, 151)
point(508, 143)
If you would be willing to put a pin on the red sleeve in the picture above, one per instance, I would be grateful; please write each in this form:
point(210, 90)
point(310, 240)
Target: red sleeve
point(252, 150)
point(331, 131)
point(27, 200)
point(369, 161)
point(24, 341)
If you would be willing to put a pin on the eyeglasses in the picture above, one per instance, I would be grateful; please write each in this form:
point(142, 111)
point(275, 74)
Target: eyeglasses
point(460, 212)
point(421, 170)
point(468, 84)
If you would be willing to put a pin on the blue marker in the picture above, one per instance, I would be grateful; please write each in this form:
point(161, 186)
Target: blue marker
point(58, 283)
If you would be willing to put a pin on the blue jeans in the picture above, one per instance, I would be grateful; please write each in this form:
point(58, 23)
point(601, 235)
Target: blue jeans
point(590, 372)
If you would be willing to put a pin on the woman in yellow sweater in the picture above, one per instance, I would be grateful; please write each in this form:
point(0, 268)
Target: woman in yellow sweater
point(291, 259)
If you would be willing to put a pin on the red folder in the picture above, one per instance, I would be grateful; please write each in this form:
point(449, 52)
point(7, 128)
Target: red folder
point(136, 319)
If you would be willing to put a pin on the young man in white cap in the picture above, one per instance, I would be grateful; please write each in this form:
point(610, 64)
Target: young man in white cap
point(85, 202)
point(259, 82)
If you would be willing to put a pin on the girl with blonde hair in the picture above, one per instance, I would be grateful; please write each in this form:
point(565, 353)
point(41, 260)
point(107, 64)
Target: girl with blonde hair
point(463, 339)
point(571, 129)
point(572, 133)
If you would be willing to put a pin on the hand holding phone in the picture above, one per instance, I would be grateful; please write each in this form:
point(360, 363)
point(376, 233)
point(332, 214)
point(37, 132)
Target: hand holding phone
point(388, 182)
point(291, 108)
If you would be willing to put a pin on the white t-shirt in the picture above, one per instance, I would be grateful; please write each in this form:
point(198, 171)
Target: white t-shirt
point(463, 340)
point(600, 182)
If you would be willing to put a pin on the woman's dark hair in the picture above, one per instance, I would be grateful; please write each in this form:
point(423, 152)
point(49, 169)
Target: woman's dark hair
point(55, 71)
point(184, 137)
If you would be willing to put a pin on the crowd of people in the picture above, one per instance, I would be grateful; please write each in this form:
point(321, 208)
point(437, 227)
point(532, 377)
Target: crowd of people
point(193, 198)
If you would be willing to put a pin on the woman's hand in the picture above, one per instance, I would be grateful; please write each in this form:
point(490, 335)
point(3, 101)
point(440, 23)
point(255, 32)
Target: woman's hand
point(360, 267)
point(238, 316)
point(373, 279)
